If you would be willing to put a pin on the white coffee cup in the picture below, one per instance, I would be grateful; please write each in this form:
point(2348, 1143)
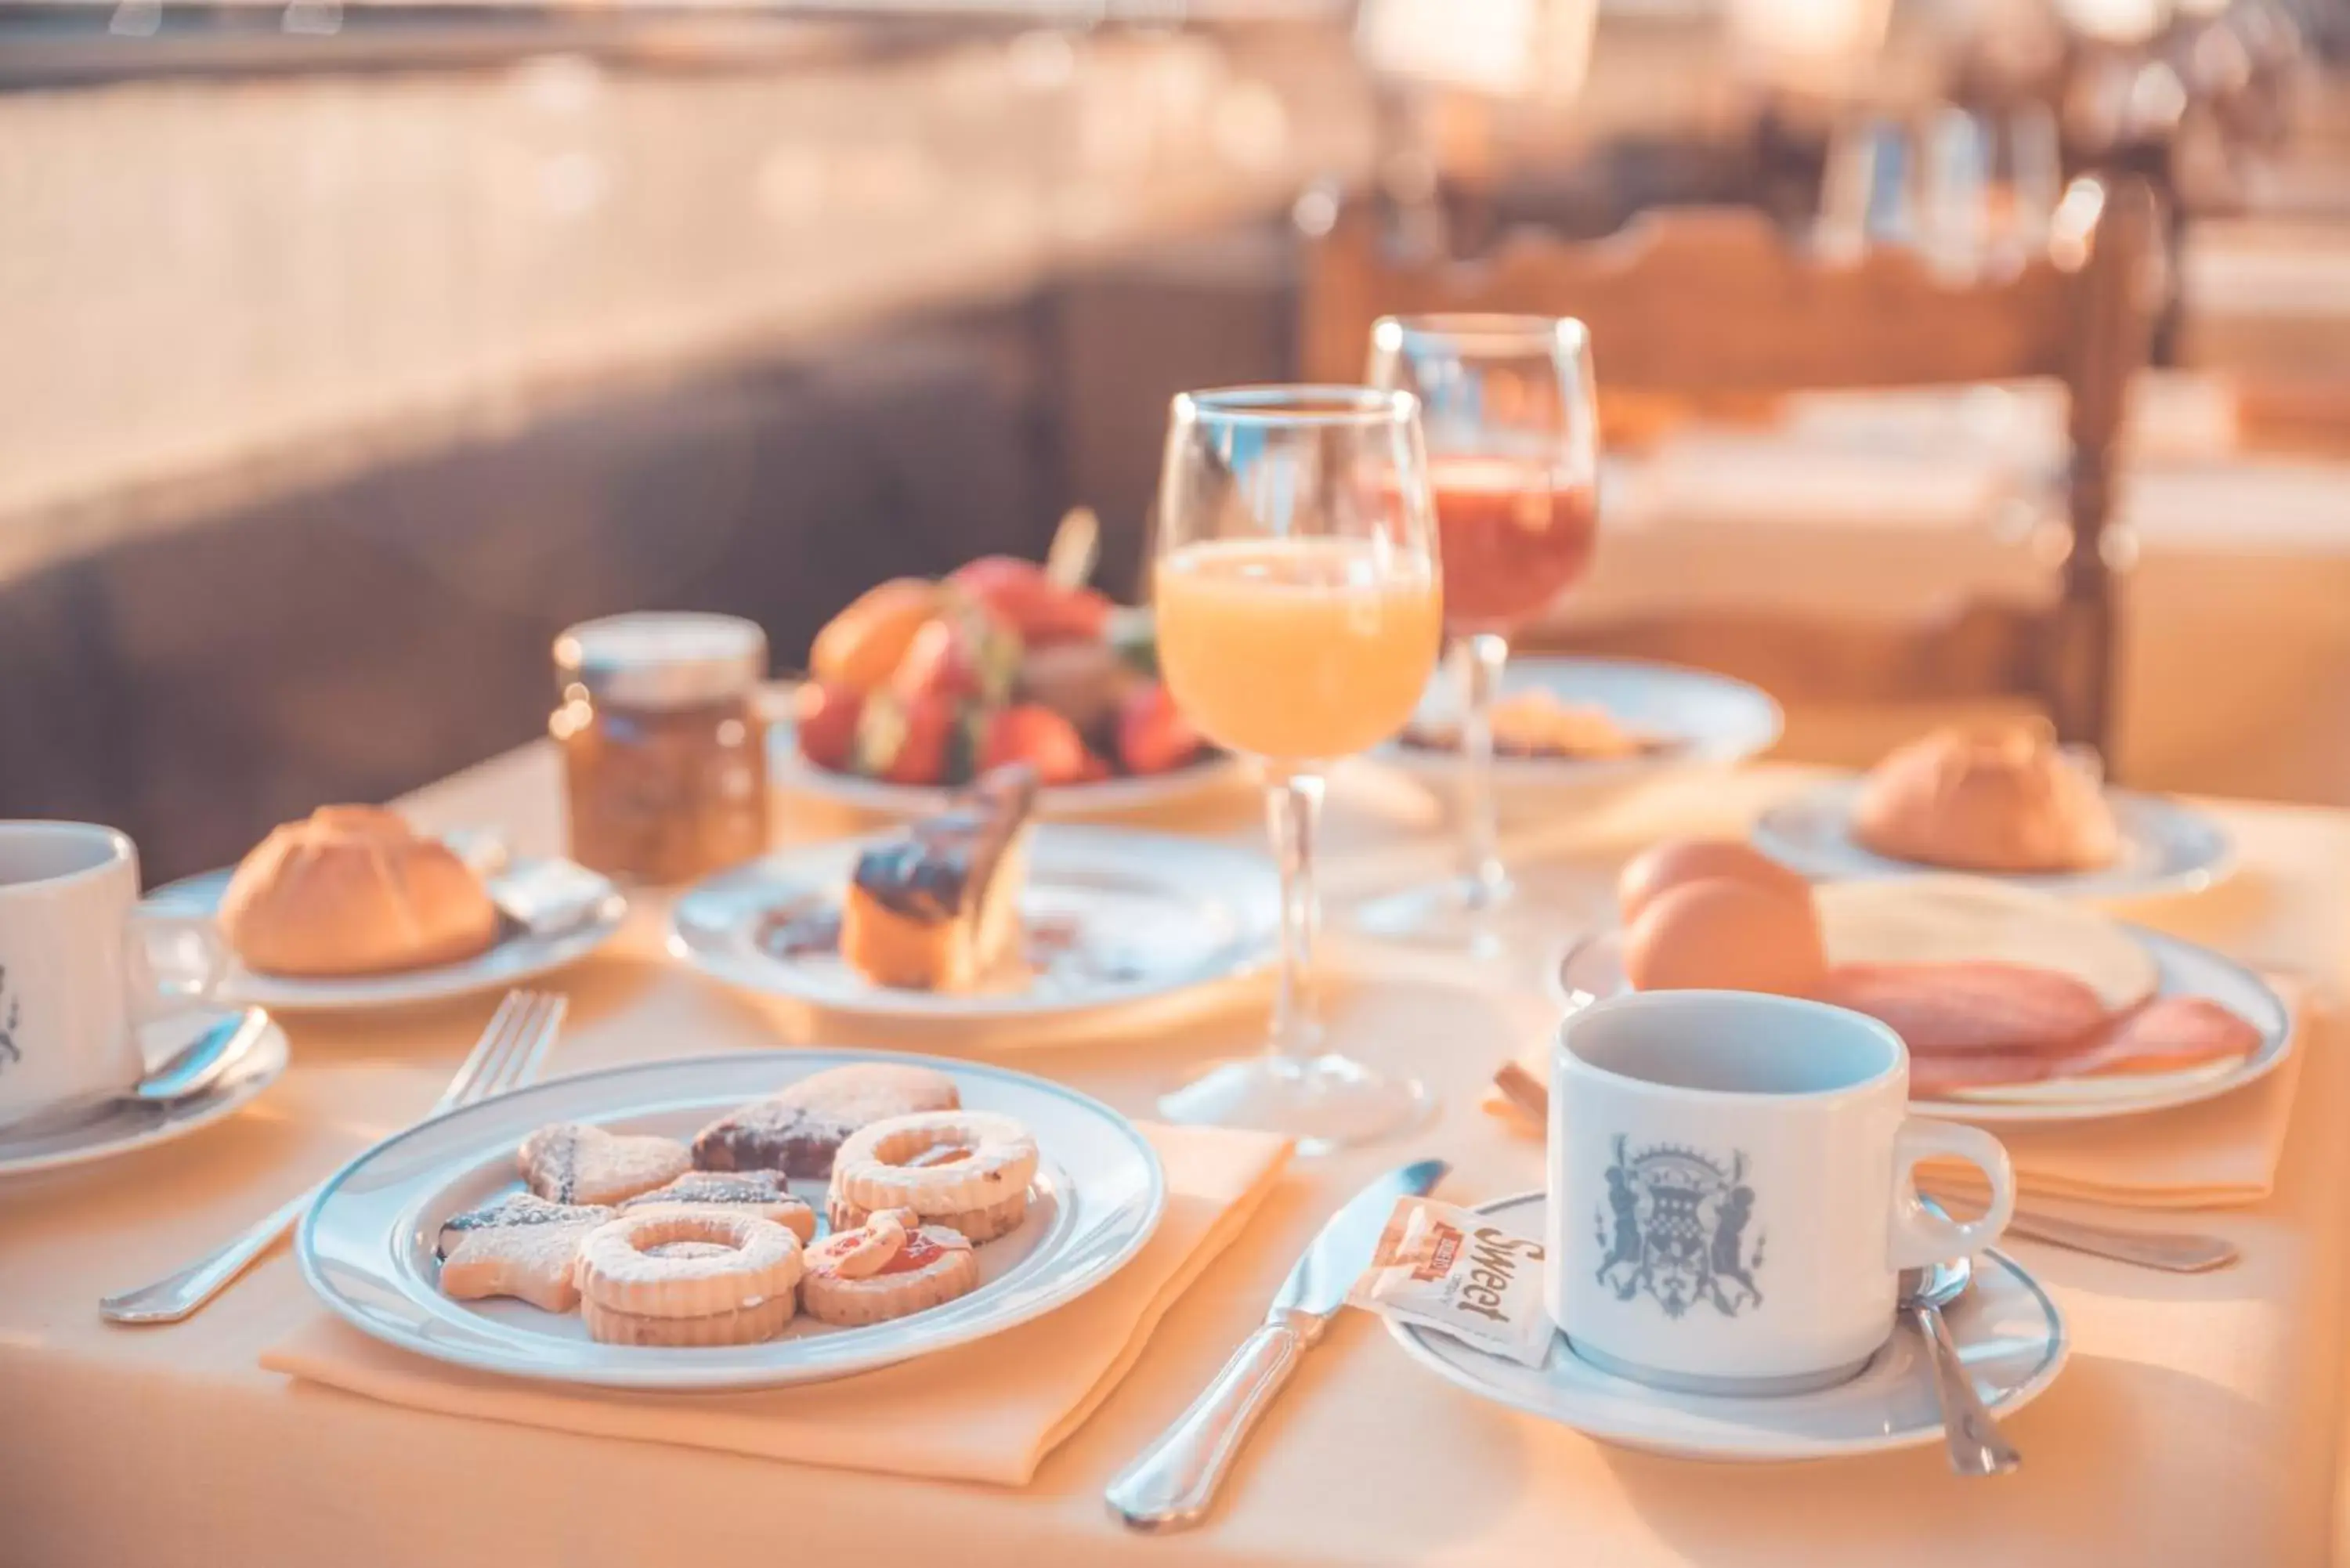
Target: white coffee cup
point(75, 976)
point(1732, 1192)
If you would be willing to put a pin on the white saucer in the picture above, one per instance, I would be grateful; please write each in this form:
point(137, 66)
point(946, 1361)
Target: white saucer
point(1114, 916)
point(367, 1247)
point(132, 1126)
point(2009, 1334)
point(2167, 848)
point(786, 769)
point(517, 957)
point(1698, 717)
point(1592, 968)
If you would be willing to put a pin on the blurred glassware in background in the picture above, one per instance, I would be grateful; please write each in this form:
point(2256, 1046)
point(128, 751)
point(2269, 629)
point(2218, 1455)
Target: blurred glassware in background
point(1510, 415)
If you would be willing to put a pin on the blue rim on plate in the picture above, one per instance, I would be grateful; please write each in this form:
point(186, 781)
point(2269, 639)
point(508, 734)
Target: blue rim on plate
point(2167, 848)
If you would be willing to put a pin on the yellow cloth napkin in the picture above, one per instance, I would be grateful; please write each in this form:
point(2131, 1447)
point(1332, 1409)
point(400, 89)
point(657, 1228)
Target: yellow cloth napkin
point(2222, 1152)
point(988, 1411)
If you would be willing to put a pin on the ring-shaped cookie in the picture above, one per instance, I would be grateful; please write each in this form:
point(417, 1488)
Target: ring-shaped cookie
point(981, 1189)
point(722, 1263)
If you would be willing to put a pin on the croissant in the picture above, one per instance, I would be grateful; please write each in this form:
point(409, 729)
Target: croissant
point(354, 890)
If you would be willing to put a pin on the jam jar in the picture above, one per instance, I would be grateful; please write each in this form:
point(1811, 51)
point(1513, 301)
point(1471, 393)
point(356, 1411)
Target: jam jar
point(664, 752)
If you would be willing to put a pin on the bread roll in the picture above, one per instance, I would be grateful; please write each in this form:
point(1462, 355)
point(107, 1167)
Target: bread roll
point(354, 890)
point(2000, 800)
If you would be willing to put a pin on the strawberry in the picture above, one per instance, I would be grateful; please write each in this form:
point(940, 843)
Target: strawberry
point(1095, 769)
point(967, 653)
point(825, 718)
point(1038, 736)
point(1041, 610)
point(1153, 736)
point(905, 741)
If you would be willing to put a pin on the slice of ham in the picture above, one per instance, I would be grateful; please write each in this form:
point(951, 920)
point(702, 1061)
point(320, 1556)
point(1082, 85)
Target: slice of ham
point(2004, 1009)
point(2168, 1035)
point(1975, 1027)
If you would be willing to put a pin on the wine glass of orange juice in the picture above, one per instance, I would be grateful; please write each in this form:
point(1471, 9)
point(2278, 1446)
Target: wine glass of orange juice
point(1511, 425)
point(1299, 615)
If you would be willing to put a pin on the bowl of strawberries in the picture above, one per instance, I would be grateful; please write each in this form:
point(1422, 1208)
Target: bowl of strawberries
point(921, 685)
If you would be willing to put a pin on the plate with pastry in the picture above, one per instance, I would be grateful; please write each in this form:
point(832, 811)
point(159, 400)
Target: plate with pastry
point(1575, 721)
point(1998, 801)
point(918, 687)
point(2016, 1005)
point(353, 908)
point(980, 912)
point(744, 1221)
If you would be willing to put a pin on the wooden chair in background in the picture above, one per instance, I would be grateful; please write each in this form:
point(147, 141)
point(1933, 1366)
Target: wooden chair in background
point(1712, 304)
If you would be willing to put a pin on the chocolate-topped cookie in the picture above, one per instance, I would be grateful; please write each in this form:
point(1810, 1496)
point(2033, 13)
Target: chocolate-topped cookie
point(798, 1131)
point(760, 1192)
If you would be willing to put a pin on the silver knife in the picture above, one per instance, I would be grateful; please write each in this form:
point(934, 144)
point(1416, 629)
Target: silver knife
point(1171, 1486)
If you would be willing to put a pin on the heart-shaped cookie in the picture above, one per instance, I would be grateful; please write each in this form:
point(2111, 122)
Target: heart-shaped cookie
point(571, 1162)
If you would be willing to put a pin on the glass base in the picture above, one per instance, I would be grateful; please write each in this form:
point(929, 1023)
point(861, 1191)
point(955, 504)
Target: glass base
point(1325, 1103)
point(1460, 914)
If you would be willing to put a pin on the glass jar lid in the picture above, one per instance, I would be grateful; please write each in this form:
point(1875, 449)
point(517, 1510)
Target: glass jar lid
point(663, 659)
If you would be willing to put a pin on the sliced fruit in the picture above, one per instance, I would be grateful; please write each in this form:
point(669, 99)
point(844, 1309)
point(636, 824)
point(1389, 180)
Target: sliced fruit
point(1038, 736)
point(1084, 682)
point(859, 646)
point(905, 741)
point(825, 718)
point(1041, 610)
point(1153, 736)
point(966, 653)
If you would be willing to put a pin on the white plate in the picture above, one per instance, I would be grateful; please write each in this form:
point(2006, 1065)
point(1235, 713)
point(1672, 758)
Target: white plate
point(517, 957)
point(1592, 968)
point(367, 1245)
point(2167, 848)
point(1113, 917)
point(786, 769)
point(2009, 1334)
point(128, 1127)
point(1704, 718)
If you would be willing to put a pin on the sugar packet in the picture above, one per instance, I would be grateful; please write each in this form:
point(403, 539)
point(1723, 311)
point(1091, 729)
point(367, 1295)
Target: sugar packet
point(1455, 1272)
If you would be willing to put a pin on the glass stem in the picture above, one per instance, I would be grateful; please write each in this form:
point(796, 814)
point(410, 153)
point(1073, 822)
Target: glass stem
point(1293, 809)
point(1479, 658)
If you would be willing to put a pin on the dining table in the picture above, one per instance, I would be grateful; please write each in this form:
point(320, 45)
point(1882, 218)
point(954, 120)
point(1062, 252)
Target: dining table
point(2199, 1420)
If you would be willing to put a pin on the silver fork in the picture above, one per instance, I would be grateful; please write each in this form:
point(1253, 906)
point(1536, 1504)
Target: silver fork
point(508, 1055)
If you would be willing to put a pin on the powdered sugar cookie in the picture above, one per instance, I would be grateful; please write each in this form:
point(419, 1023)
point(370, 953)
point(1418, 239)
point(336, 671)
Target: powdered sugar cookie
point(967, 1170)
point(799, 1130)
point(519, 1246)
point(760, 1192)
point(889, 1268)
point(674, 1274)
point(572, 1163)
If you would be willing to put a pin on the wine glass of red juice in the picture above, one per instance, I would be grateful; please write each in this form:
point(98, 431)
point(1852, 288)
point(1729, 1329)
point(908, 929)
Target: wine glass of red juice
point(1511, 416)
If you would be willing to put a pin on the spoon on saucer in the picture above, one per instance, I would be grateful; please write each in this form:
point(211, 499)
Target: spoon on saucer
point(1972, 1439)
point(185, 1074)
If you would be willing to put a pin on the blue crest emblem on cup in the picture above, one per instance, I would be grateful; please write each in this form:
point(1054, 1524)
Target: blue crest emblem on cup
point(1674, 1228)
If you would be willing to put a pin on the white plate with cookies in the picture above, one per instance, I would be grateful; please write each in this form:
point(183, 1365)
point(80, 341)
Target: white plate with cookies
point(1108, 918)
point(745, 1220)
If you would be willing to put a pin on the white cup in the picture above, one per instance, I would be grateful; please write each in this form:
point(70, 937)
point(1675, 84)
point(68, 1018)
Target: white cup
point(75, 976)
point(1732, 1189)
